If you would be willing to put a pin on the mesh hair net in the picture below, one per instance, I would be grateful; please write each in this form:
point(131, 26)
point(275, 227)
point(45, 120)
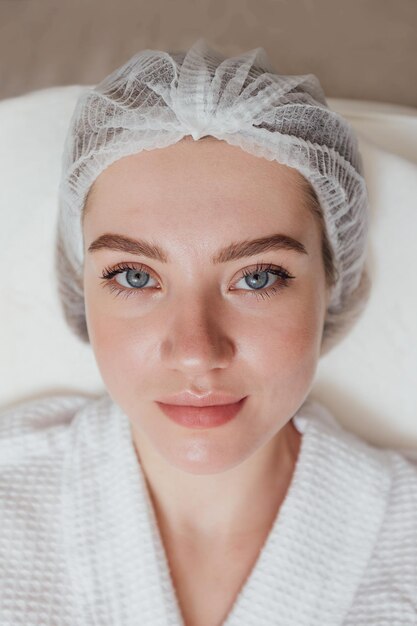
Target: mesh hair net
point(158, 97)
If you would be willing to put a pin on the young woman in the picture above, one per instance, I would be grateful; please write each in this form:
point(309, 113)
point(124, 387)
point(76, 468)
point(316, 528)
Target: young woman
point(210, 247)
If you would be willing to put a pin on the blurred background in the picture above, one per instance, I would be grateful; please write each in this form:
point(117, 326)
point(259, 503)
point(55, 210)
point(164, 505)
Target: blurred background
point(365, 49)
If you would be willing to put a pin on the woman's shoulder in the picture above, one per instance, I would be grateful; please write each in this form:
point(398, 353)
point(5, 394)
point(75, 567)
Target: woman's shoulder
point(401, 463)
point(40, 426)
point(389, 473)
point(385, 493)
point(387, 591)
point(400, 519)
point(38, 441)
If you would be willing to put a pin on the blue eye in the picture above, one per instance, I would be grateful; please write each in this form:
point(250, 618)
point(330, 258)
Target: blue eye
point(137, 278)
point(261, 275)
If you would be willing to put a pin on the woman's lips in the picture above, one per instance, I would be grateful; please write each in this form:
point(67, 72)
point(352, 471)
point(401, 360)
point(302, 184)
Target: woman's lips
point(203, 416)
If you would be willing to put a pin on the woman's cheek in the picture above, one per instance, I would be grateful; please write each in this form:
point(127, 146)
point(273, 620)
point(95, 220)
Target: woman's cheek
point(297, 342)
point(109, 339)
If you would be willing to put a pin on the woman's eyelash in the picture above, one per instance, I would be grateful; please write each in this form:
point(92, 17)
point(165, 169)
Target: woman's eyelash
point(283, 274)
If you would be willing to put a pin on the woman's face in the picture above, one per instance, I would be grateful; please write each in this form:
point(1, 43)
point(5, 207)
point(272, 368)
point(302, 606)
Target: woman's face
point(184, 322)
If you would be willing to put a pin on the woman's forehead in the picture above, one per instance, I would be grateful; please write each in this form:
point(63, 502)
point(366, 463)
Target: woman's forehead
point(210, 206)
point(207, 155)
point(198, 218)
point(196, 173)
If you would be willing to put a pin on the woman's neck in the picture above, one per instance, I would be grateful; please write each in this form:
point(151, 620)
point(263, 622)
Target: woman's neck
point(225, 505)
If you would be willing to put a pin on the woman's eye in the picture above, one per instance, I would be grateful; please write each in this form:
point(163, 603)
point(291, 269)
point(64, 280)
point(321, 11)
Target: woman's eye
point(126, 280)
point(259, 280)
point(133, 278)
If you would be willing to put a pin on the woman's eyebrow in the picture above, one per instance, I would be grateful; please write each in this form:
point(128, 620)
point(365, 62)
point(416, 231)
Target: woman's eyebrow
point(235, 250)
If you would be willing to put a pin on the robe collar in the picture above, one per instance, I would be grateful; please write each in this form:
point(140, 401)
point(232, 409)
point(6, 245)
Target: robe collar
point(307, 571)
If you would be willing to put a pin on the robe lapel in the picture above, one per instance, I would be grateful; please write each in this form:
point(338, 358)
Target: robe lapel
point(327, 527)
point(113, 549)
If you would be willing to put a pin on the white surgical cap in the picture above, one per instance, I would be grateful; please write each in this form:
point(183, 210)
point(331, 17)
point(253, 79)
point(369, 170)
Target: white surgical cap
point(158, 97)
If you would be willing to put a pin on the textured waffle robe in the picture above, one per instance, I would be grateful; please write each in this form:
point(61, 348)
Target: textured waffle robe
point(80, 545)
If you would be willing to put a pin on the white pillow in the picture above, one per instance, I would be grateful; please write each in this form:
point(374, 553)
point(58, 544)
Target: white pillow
point(369, 381)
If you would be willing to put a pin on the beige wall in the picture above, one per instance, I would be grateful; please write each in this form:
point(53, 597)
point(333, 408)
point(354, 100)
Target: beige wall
point(364, 49)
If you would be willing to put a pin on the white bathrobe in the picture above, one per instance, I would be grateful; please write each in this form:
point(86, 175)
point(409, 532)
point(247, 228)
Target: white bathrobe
point(79, 542)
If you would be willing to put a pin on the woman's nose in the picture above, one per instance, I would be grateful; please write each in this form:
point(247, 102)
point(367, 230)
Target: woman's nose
point(196, 340)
